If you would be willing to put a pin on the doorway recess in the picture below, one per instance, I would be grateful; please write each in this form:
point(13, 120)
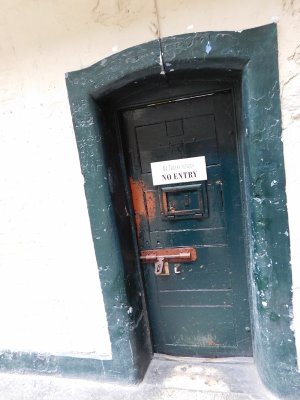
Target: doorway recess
point(248, 60)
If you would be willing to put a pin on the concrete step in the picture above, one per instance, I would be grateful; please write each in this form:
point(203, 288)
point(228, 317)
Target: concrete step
point(168, 378)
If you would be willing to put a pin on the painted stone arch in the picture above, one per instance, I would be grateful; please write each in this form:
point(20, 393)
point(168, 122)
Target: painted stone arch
point(253, 53)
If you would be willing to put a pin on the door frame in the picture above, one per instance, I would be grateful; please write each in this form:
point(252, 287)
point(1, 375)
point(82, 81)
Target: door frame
point(153, 92)
point(253, 54)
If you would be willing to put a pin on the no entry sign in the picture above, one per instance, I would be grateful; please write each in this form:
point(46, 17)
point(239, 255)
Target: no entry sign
point(178, 171)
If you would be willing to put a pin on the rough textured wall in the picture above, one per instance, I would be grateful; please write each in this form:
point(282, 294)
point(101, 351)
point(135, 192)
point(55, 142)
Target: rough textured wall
point(48, 271)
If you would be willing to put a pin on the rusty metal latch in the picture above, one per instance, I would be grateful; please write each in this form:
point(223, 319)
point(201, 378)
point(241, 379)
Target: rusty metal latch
point(161, 257)
point(159, 267)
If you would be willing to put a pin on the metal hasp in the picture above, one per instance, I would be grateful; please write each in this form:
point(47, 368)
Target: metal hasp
point(161, 258)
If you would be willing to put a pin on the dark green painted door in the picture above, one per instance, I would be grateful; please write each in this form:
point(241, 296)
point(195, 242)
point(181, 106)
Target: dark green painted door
point(202, 308)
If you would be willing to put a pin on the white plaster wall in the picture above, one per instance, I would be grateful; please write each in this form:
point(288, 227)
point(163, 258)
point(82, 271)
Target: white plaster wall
point(50, 296)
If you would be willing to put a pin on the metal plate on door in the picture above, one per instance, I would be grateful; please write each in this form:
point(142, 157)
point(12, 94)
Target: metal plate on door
point(184, 201)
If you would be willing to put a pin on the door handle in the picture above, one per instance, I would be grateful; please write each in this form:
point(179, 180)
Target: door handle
point(161, 257)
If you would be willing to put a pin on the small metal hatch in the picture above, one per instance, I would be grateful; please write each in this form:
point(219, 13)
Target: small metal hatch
point(184, 202)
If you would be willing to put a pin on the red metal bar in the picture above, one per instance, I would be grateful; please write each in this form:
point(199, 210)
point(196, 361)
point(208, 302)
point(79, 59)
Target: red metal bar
point(179, 254)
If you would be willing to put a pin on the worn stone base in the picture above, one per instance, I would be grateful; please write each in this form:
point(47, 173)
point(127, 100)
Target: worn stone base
point(167, 378)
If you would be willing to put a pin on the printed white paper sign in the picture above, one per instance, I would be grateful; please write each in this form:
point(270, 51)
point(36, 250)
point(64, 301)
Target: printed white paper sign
point(177, 171)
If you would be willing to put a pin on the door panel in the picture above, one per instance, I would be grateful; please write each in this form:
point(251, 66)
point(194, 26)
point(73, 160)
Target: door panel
point(184, 237)
point(205, 319)
point(201, 308)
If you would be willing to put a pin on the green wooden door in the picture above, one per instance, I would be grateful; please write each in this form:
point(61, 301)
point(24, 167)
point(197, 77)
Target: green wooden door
point(201, 308)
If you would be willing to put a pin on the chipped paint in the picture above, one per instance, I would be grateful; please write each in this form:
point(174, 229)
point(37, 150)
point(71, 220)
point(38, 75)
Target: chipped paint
point(190, 27)
point(119, 13)
point(137, 196)
point(211, 342)
point(208, 47)
point(151, 204)
point(144, 204)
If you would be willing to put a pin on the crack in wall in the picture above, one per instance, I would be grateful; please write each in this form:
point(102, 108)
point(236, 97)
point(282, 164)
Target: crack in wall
point(117, 12)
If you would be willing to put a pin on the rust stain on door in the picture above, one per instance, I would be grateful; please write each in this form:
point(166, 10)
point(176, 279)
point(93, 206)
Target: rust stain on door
point(151, 205)
point(144, 204)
